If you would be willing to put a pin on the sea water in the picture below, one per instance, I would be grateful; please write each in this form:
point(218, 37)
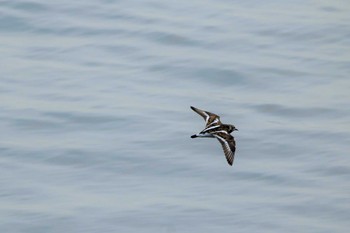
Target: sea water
point(95, 116)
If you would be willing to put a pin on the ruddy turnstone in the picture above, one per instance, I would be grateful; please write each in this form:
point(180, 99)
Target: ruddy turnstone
point(215, 129)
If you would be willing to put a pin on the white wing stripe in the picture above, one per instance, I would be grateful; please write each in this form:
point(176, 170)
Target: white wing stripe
point(215, 121)
point(213, 127)
point(207, 117)
point(228, 152)
point(221, 131)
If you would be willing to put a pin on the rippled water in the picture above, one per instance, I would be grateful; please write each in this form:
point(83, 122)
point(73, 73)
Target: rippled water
point(95, 119)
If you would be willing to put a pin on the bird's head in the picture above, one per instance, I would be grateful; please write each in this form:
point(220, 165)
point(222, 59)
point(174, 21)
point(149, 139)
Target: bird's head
point(231, 128)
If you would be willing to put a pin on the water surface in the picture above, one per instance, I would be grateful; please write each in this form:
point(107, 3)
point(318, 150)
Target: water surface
point(95, 119)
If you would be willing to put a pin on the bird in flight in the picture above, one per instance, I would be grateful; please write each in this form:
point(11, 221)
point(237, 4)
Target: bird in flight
point(215, 129)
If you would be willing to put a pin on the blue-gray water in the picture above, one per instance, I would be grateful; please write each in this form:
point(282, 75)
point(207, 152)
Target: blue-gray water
point(95, 120)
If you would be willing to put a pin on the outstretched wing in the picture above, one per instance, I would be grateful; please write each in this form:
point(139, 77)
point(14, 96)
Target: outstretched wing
point(210, 118)
point(228, 145)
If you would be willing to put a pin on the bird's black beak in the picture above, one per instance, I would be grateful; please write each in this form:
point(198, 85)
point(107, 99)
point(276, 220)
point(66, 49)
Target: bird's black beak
point(193, 136)
point(236, 129)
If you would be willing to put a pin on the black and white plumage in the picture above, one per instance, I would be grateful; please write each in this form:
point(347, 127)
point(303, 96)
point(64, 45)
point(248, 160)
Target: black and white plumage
point(215, 129)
